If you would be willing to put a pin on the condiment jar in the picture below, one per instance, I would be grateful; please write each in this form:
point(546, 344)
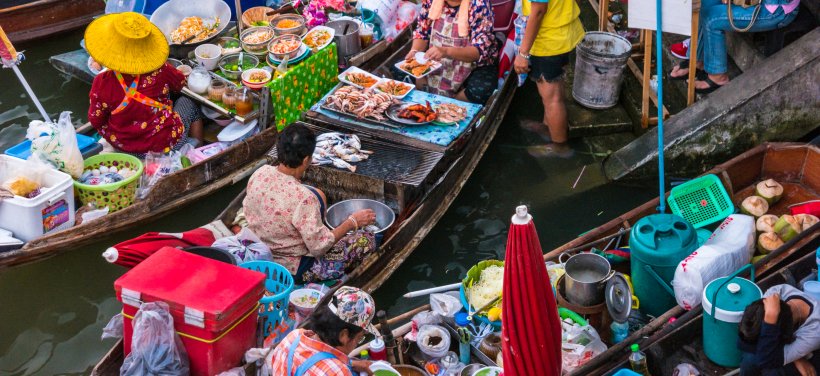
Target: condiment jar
point(229, 97)
point(199, 80)
point(216, 90)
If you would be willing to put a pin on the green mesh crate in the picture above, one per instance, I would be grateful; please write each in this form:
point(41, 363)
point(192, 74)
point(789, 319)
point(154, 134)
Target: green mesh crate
point(701, 201)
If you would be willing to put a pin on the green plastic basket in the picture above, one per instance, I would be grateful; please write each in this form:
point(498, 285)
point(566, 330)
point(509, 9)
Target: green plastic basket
point(115, 196)
point(701, 201)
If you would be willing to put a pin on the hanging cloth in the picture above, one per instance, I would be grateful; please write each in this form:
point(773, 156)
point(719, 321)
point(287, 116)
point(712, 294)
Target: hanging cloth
point(463, 16)
point(448, 80)
point(131, 93)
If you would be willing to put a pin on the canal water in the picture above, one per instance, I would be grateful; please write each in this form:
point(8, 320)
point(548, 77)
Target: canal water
point(52, 312)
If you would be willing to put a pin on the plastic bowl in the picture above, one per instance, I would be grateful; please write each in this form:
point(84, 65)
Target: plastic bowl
point(291, 53)
point(338, 212)
point(246, 75)
point(488, 371)
point(299, 29)
point(208, 55)
point(234, 59)
point(218, 118)
point(302, 309)
point(259, 47)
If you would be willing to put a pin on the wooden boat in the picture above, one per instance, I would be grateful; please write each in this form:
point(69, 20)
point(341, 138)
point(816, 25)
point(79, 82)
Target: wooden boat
point(682, 341)
point(25, 20)
point(796, 166)
point(420, 192)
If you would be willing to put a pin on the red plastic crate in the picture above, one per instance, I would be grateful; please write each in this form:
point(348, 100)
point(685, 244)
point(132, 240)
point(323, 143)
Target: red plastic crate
point(214, 305)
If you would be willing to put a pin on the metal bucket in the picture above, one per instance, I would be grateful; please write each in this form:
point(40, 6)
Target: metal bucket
point(346, 44)
point(585, 278)
point(600, 60)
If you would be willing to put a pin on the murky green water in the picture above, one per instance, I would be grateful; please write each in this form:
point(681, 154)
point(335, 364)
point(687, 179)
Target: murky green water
point(52, 312)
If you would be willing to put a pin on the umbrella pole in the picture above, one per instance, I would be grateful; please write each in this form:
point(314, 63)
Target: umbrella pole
point(239, 26)
point(659, 63)
point(9, 57)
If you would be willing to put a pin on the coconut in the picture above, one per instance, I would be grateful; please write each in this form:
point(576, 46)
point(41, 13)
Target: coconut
point(766, 223)
point(768, 242)
point(769, 190)
point(787, 227)
point(755, 206)
point(806, 220)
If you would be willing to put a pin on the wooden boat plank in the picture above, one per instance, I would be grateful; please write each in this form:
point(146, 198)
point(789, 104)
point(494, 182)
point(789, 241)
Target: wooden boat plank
point(41, 18)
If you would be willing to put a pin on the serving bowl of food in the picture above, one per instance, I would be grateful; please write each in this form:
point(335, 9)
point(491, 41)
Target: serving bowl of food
point(255, 78)
point(229, 45)
point(305, 300)
point(255, 40)
point(285, 46)
point(232, 67)
point(288, 24)
point(257, 16)
point(319, 37)
point(208, 55)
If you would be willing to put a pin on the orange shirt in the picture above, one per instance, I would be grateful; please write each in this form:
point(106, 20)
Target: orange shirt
point(309, 344)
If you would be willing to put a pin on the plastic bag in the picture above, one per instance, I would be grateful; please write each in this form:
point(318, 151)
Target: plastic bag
point(420, 319)
point(155, 348)
point(580, 344)
point(56, 143)
point(24, 179)
point(157, 166)
point(245, 246)
point(114, 328)
point(730, 247)
point(445, 304)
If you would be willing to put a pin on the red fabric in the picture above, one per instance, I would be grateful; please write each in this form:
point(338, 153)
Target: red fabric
point(133, 251)
point(530, 329)
point(505, 60)
point(137, 128)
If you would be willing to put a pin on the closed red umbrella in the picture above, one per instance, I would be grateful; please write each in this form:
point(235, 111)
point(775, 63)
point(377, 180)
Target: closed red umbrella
point(530, 329)
point(133, 251)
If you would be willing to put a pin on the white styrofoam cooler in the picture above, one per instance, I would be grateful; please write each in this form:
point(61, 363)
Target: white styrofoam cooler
point(30, 218)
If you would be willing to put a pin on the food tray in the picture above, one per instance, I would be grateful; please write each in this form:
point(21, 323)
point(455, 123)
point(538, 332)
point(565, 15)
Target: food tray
point(323, 105)
point(217, 105)
point(320, 28)
point(392, 113)
point(383, 80)
point(343, 76)
point(436, 66)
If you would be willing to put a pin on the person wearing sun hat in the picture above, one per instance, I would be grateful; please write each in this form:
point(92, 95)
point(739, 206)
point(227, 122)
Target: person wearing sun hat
point(130, 103)
point(334, 331)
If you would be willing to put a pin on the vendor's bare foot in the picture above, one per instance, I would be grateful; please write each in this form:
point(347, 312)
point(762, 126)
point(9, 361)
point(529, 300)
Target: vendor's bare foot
point(536, 127)
point(551, 150)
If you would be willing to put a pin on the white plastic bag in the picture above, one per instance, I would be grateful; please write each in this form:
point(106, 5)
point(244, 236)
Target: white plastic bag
point(245, 246)
point(57, 144)
point(114, 328)
point(155, 348)
point(580, 344)
point(730, 247)
point(445, 304)
point(157, 166)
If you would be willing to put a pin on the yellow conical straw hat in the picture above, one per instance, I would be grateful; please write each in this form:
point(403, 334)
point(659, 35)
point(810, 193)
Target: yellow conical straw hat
point(126, 43)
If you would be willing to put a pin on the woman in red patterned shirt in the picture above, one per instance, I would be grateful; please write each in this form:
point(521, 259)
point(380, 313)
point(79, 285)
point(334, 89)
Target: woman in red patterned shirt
point(130, 104)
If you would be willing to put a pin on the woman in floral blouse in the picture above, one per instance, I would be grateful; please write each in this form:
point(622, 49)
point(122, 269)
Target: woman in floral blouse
point(130, 104)
point(459, 34)
point(287, 215)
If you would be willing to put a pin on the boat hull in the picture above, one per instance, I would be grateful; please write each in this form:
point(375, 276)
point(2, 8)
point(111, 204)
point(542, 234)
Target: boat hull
point(42, 18)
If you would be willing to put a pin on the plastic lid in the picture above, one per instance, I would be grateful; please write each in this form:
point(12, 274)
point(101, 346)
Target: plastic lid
point(735, 296)
point(635, 347)
point(363, 354)
point(662, 239)
point(377, 344)
point(461, 318)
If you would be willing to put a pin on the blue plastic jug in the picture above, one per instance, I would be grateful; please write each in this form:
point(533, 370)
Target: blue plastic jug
point(724, 301)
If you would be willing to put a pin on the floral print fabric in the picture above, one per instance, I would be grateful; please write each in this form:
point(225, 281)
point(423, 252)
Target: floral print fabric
point(481, 28)
point(285, 215)
point(137, 128)
point(355, 307)
point(345, 255)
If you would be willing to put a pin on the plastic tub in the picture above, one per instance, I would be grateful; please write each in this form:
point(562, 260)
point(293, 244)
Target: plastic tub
point(30, 218)
point(278, 285)
point(87, 145)
point(433, 349)
point(304, 309)
point(115, 196)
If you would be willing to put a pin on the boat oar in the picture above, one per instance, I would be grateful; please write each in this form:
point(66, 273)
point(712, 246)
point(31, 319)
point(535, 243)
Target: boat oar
point(433, 290)
point(482, 309)
point(10, 58)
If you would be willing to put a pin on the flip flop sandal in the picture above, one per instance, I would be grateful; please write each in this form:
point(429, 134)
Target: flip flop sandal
point(712, 86)
point(700, 74)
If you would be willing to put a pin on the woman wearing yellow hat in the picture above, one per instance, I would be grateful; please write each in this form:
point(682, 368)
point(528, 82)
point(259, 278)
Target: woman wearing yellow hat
point(130, 103)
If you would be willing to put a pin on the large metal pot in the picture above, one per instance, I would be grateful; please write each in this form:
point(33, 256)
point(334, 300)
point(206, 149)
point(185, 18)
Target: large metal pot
point(338, 212)
point(586, 275)
point(346, 38)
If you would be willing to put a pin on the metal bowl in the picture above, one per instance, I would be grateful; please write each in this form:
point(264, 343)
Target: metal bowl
point(258, 48)
point(234, 58)
point(289, 54)
point(222, 41)
point(168, 16)
point(296, 30)
point(338, 212)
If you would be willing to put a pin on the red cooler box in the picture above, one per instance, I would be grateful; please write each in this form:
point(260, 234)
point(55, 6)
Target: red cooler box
point(214, 305)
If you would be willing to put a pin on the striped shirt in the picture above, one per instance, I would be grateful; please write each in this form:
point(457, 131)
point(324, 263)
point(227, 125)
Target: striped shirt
point(308, 346)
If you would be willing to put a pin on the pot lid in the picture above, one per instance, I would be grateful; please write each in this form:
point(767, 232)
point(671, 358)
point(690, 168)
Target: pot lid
point(734, 296)
point(618, 298)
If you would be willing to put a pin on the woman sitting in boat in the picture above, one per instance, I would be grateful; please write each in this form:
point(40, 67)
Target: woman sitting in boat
point(781, 337)
point(131, 105)
point(333, 332)
point(459, 34)
point(287, 215)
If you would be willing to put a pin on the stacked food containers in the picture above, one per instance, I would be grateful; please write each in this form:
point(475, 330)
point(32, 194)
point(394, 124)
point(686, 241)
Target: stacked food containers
point(214, 305)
